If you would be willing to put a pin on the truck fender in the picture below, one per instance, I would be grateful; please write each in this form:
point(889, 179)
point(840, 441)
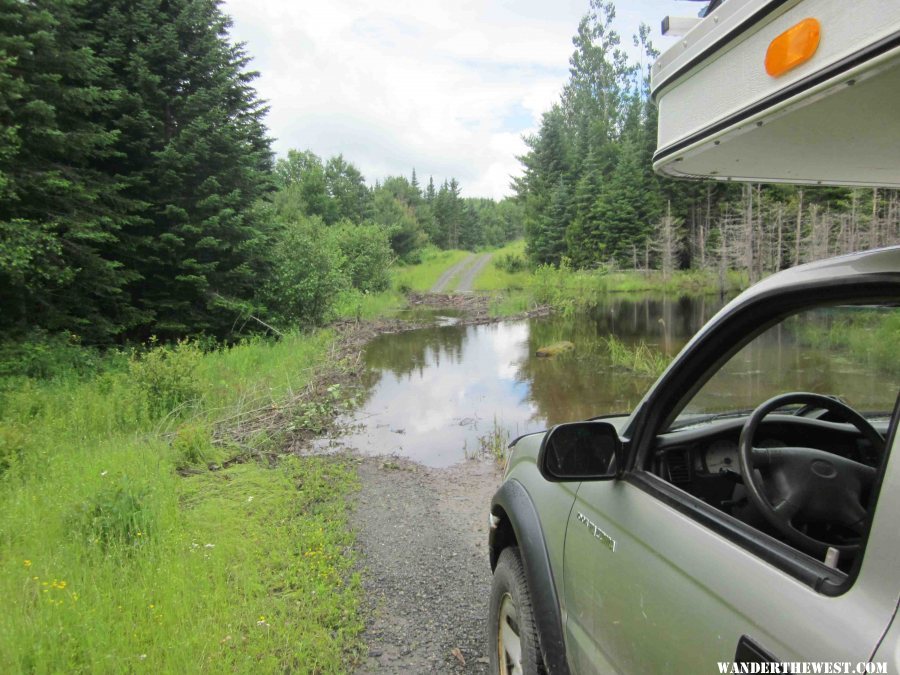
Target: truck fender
point(513, 504)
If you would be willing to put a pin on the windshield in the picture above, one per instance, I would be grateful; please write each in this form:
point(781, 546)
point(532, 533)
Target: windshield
point(845, 351)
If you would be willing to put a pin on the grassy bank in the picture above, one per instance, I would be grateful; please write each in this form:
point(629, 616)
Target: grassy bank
point(120, 550)
point(867, 336)
point(149, 520)
point(517, 287)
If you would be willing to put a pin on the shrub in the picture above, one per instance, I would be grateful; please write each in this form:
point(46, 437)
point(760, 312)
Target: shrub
point(367, 254)
point(193, 447)
point(307, 273)
point(165, 376)
point(510, 262)
point(44, 355)
point(13, 439)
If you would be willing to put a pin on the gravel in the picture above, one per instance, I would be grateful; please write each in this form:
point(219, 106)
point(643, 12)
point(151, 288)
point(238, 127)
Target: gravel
point(422, 534)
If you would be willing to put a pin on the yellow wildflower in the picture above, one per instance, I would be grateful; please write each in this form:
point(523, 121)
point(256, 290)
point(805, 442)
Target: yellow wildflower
point(26, 563)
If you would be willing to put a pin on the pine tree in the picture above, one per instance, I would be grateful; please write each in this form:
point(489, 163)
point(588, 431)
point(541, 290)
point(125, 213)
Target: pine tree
point(194, 151)
point(59, 211)
point(547, 169)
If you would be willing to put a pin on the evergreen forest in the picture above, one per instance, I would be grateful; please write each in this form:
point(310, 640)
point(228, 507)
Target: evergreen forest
point(140, 197)
point(591, 199)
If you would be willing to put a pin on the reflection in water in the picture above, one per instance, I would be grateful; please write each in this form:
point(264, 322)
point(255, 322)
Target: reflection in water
point(433, 393)
point(798, 355)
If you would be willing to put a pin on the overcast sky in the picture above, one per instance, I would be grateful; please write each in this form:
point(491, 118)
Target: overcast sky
point(449, 88)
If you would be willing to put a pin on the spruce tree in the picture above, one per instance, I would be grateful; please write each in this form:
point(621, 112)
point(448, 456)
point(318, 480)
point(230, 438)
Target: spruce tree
point(194, 156)
point(60, 212)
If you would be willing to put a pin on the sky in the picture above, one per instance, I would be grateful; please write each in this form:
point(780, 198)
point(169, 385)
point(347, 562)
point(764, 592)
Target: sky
point(447, 88)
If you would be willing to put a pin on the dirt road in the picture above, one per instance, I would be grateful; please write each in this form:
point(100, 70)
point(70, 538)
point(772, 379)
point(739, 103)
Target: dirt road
point(468, 277)
point(467, 269)
point(423, 537)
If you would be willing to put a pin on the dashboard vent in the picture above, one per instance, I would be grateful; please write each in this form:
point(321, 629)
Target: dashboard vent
point(679, 466)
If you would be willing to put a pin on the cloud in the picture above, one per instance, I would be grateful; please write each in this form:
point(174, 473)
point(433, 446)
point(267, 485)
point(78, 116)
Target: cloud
point(447, 88)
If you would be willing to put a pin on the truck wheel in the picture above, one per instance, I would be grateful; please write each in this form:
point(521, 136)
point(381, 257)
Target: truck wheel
point(513, 637)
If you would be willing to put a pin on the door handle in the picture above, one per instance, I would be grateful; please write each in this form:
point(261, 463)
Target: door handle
point(748, 651)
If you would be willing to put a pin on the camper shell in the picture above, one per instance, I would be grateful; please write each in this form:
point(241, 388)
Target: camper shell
point(831, 119)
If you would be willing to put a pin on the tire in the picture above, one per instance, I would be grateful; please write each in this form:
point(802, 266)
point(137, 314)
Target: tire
point(512, 632)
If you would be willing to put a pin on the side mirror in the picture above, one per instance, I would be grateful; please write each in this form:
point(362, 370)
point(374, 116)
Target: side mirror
point(581, 451)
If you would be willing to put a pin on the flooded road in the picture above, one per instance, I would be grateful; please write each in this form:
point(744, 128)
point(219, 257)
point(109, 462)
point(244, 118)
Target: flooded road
point(433, 393)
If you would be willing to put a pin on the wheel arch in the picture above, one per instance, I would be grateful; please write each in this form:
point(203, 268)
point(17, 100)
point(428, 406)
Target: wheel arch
point(519, 525)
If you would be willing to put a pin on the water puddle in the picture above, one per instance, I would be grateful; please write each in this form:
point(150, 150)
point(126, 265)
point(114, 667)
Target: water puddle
point(436, 395)
point(433, 395)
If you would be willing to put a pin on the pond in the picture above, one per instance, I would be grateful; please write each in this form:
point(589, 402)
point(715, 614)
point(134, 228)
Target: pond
point(432, 394)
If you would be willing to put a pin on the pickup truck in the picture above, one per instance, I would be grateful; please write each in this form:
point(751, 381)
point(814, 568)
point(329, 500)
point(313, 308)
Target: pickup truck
point(743, 513)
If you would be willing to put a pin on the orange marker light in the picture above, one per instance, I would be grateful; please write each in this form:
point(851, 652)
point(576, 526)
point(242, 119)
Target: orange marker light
point(794, 46)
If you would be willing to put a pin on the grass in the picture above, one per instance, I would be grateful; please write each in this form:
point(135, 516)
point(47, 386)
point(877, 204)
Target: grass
point(353, 304)
point(866, 336)
point(495, 444)
point(111, 561)
point(641, 358)
point(496, 276)
point(518, 288)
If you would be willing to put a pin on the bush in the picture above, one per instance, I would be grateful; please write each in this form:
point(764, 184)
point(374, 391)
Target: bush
point(510, 262)
point(13, 439)
point(367, 254)
point(307, 273)
point(165, 376)
point(44, 355)
point(193, 447)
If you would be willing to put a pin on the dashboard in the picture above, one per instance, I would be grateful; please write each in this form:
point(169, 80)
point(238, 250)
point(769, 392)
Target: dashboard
point(703, 458)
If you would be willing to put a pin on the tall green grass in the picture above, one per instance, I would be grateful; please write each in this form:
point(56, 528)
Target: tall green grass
point(500, 274)
point(866, 336)
point(354, 304)
point(518, 287)
point(120, 550)
point(641, 359)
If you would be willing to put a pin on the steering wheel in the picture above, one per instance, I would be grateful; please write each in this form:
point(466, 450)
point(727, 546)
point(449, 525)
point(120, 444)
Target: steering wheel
point(804, 483)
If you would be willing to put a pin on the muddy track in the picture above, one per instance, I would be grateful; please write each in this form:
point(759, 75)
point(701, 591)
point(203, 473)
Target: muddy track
point(422, 534)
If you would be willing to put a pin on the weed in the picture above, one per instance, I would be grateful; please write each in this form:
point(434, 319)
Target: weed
point(641, 358)
point(494, 443)
point(316, 414)
point(117, 516)
point(13, 441)
point(166, 378)
point(193, 446)
point(511, 262)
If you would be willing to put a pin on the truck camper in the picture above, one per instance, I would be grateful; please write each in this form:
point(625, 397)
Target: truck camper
point(794, 91)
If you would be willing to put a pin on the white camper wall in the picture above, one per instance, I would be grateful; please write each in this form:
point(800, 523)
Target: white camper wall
point(722, 116)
